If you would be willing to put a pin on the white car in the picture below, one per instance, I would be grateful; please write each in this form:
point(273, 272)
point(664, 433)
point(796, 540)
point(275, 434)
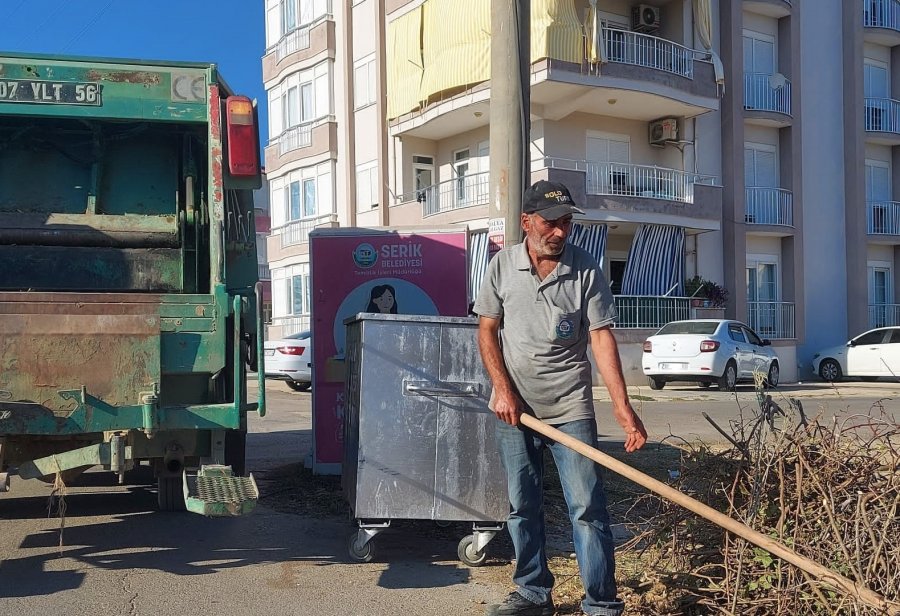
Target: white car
point(708, 351)
point(289, 359)
point(870, 355)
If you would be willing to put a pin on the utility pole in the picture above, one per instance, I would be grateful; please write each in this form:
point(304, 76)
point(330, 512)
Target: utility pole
point(510, 118)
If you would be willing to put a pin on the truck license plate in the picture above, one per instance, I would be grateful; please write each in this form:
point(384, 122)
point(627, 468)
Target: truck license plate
point(50, 92)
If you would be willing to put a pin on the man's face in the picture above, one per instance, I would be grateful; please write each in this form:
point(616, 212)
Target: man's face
point(546, 237)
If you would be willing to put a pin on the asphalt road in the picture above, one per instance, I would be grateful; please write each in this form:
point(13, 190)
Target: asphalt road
point(120, 556)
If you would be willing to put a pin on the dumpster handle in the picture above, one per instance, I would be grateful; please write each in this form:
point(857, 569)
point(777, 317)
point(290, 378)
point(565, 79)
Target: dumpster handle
point(468, 390)
point(260, 352)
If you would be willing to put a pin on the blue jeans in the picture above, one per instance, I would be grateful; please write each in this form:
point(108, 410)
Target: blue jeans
point(522, 453)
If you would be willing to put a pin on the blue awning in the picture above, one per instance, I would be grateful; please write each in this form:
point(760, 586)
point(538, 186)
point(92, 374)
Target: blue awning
point(655, 263)
point(478, 261)
point(590, 237)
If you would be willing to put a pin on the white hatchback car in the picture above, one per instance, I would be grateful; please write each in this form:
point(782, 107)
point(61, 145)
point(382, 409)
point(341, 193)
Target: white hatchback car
point(289, 359)
point(870, 355)
point(708, 351)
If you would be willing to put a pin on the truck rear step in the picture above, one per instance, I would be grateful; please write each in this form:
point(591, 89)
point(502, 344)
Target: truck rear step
point(216, 492)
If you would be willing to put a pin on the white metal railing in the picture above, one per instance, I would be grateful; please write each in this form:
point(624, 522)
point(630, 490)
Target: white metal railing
point(774, 320)
point(643, 181)
point(292, 324)
point(649, 51)
point(883, 218)
point(294, 138)
point(882, 115)
point(297, 231)
point(650, 311)
point(768, 206)
point(763, 92)
point(263, 271)
point(881, 14)
point(884, 315)
point(293, 41)
point(464, 191)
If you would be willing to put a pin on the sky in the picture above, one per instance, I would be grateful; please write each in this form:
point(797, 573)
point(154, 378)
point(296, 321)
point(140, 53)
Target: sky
point(230, 33)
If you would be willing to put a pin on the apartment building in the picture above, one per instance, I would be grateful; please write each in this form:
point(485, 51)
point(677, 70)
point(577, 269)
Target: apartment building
point(745, 141)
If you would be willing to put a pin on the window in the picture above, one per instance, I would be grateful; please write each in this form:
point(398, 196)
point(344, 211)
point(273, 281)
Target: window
point(611, 155)
point(309, 197)
point(364, 82)
point(759, 53)
point(367, 186)
point(752, 338)
point(301, 97)
point(290, 291)
point(876, 82)
point(288, 16)
point(735, 333)
point(460, 170)
point(423, 176)
point(881, 293)
point(307, 110)
point(874, 337)
point(878, 180)
point(294, 204)
point(760, 165)
point(762, 293)
point(292, 107)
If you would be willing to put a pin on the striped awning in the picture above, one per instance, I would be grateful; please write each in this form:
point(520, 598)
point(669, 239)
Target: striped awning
point(556, 31)
point(478, 261)
point(404, 63)
point(655, 263)
point(456, 45)
point(590, 237)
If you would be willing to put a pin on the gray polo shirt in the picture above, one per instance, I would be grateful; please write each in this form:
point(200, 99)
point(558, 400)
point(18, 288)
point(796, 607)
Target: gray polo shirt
point(544, 327)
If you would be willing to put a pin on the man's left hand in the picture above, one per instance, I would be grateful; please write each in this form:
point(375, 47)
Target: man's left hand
point(635, 433)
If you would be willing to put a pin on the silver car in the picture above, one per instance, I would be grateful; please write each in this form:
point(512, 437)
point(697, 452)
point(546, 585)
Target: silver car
point(289, 359)
point(706, 352)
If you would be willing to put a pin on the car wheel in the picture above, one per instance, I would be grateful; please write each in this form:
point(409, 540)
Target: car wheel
point(830, 371)
point(656, 383)
point(297, 386)
point(729, 378)
point(773, 376)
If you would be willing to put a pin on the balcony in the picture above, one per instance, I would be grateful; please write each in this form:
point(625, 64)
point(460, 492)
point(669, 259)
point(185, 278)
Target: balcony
point(294, 138)
point(884, 315)
point(772, 320)
point(768, 206)
point(883, 218)
point(649, 182)
point(767, 99)
point(638, 49)
point(881, 22)
point(649, 311)
point(263, 271)
point(305, 140)
point(468, 191)
point(882, 121)
point(297, 231)
point(304, 43)
point(770, 8)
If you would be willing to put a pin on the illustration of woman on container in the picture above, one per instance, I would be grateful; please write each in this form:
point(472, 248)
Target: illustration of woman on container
point(383, 299)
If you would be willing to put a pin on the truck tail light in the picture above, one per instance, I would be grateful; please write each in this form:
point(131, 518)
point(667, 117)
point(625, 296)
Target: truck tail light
point(648, 346)
point(708, 346)
point(243, 148)
point(291, 350)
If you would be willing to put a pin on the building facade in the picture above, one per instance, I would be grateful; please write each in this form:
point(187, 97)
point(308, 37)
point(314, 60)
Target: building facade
point(749, 142)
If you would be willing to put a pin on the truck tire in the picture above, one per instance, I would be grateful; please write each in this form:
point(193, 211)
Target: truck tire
point(170, 493)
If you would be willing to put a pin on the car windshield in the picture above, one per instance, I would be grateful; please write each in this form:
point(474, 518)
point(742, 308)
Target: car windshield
point(298, 336)
point(705, 328)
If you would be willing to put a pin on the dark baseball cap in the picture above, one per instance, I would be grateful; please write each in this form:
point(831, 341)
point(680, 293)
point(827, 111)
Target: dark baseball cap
point(550, 200)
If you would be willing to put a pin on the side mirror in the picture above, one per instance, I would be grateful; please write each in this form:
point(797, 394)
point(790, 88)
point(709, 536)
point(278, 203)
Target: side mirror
point(766, 342)
point(851, 343)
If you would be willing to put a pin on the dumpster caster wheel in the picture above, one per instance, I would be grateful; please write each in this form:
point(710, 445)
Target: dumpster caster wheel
point(468, 555)
point(360, 553)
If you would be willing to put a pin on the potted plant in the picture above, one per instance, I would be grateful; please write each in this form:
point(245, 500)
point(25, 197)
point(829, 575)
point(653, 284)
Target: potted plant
point(705, 293)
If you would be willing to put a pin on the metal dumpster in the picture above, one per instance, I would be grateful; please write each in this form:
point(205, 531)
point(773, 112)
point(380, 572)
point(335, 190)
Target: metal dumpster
point(418, 435)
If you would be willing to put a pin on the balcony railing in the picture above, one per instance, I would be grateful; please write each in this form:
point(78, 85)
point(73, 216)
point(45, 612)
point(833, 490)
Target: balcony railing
point(649, 51)
point(881, 14)
point(461, 192)
point(769, 206)
point(263, 271)
point(297, 231)
point(649, 311)
point(884, 315)
point(773, 320)
point(882, 115)
point(763, 92)
point(883, 218)
point(294, 138)
point(293, 41)
point(643, 181)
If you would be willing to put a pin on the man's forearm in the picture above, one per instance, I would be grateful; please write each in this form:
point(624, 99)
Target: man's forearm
point(606, 354)
point(492, 356)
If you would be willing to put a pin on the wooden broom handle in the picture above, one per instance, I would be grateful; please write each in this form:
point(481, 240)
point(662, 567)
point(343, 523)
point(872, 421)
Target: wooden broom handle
point(863, 593)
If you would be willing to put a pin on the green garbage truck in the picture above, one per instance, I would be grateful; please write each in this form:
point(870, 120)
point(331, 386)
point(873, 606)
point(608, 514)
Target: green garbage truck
point(130, 311)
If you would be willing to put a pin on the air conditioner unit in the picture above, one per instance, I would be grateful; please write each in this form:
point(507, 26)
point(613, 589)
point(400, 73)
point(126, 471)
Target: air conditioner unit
point(644, 18)
point(663, 130)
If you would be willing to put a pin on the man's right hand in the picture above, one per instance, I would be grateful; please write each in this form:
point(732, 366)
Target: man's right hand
point(507, 407)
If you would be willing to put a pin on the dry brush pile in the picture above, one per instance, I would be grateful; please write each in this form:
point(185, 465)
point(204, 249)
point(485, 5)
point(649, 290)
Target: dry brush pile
point(828, 490)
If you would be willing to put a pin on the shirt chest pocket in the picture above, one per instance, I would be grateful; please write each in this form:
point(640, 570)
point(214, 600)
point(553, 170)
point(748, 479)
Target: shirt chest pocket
point(565, 326)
